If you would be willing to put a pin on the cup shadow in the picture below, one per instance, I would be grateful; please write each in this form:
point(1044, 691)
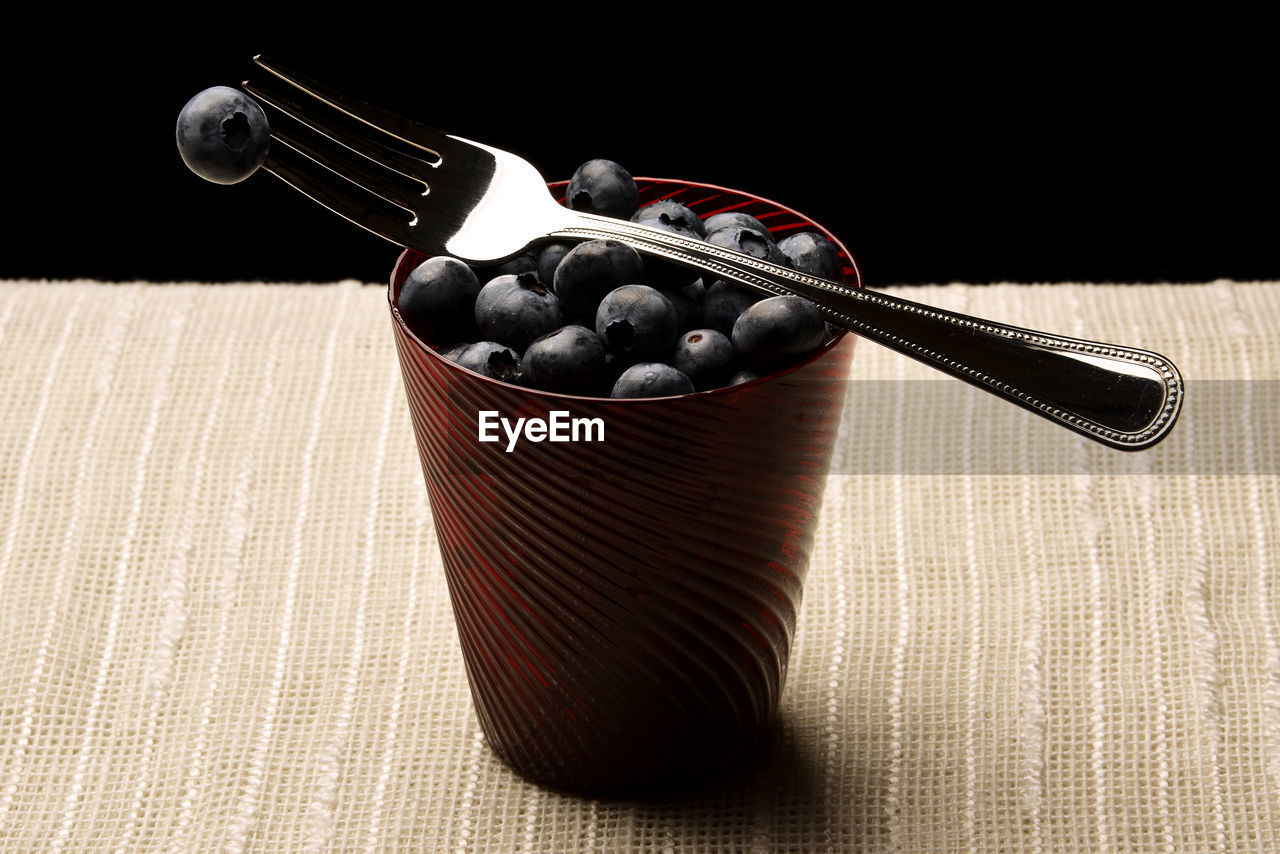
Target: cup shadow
point(786, 797)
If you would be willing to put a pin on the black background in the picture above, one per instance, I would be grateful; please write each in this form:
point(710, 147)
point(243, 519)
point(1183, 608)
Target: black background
point(965, 150)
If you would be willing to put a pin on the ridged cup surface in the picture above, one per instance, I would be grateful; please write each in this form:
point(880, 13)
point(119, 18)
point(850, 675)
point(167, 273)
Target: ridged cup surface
point(626, 607)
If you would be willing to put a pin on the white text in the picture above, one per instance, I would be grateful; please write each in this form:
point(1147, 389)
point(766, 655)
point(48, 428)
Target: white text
point(558, 426)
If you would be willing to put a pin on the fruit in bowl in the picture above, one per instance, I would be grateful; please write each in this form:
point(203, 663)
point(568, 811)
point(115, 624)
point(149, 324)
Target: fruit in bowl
point(627, 599)
point(690, 335)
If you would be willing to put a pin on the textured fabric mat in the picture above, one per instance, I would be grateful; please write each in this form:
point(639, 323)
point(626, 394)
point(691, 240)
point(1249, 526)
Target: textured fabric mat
point(225, 627)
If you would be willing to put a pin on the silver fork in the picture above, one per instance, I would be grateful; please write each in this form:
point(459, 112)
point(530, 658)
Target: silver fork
point(442, 194)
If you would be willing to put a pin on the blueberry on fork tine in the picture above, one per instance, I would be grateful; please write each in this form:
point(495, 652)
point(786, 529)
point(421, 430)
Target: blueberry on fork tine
point(222, 135)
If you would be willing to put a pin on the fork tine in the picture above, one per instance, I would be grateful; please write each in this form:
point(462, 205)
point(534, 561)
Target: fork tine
point(427, 140)
point(341, 196)
point(342, 138)
point(354, 168)
point(350, 134)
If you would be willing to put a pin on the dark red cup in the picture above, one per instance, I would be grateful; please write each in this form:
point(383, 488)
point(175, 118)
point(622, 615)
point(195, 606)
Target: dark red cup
point(626, 602)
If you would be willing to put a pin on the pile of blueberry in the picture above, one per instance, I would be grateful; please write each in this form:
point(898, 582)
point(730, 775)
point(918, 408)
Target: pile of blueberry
point(596, 318)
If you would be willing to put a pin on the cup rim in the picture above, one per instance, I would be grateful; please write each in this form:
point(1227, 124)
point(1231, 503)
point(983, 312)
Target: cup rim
point(407, 253)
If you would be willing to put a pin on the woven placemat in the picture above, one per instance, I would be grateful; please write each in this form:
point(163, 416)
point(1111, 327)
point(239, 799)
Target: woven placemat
point(225, 626)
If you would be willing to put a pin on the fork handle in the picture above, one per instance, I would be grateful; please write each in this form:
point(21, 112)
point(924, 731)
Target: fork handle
point(1122, 397)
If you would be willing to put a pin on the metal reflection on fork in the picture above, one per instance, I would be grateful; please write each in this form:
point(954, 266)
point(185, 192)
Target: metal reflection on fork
point(444, 195)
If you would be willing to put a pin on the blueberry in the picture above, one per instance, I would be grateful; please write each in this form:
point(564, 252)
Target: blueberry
point(569, 360)
point(590, 270)
point(516, 308)
point(453, 351)
point(491, 359)
point(778, 330)
point(812, 253)
point(603, 187)
point(724, 301)
point(672, 216)
point(525, 262)
point(748, 241)
point(651, 379)
point(662, 272)
point(437, 301)
point(637, 323)
point(705, 356)
point(222, 135)
point(688, 304)
point(735, 218)
point(745, 375)
point(549, 256)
